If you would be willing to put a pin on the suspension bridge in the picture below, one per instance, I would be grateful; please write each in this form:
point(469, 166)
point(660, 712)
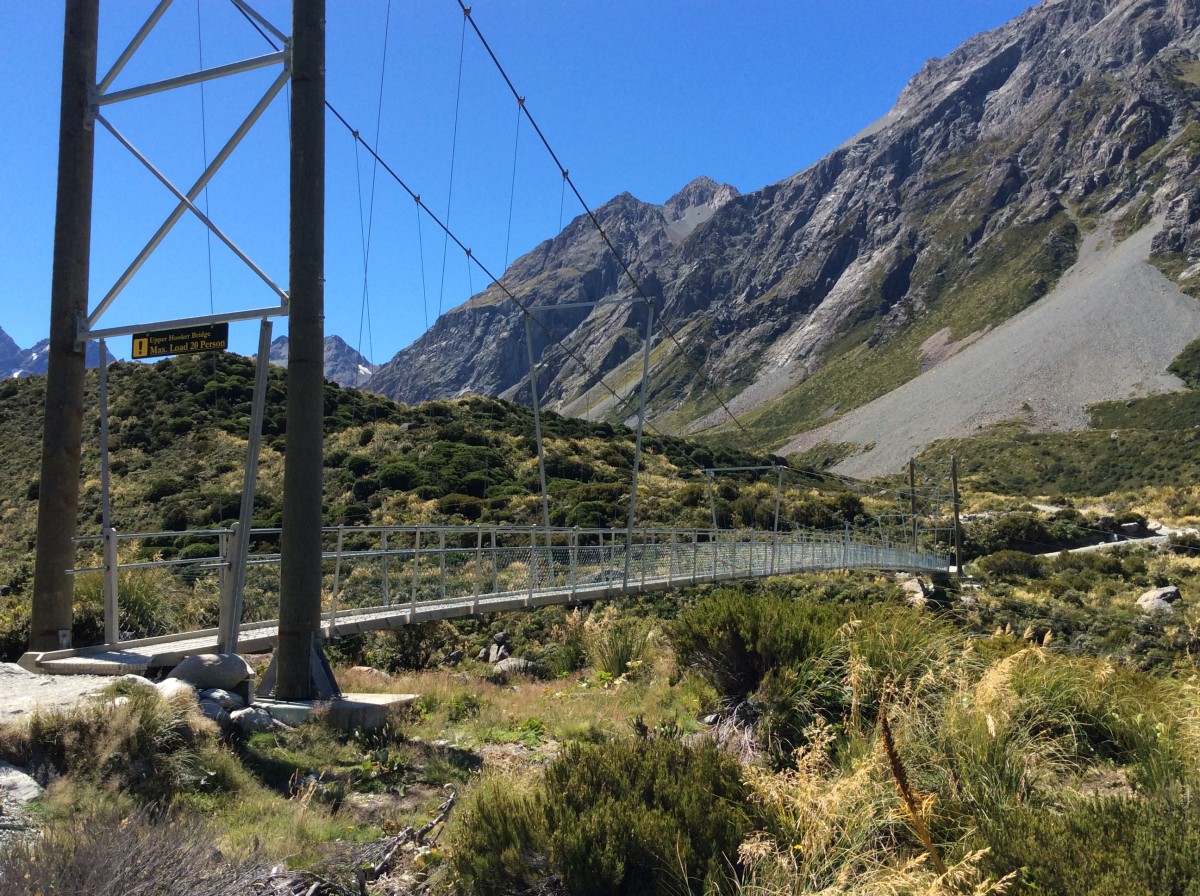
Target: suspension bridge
point(328, 583)
point(380, 578)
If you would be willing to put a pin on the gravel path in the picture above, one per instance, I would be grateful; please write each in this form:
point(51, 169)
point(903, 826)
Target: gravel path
point(21, 691)
point(1107, 331)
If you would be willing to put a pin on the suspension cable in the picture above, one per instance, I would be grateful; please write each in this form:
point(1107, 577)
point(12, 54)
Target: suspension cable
point(699, 371)
point(512, 190)
point(453, 154)
point(365, 311)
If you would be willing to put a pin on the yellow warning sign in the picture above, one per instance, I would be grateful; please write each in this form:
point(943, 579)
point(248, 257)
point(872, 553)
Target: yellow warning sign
point(184, 341)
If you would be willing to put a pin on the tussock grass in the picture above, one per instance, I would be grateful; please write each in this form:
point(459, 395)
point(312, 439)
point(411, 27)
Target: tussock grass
point(106, 853)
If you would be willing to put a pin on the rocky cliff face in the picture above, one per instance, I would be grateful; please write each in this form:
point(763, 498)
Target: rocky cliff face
point(802, 300)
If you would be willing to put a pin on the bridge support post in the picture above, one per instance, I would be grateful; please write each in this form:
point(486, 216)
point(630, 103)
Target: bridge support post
point(58, 486)
point(300, 576)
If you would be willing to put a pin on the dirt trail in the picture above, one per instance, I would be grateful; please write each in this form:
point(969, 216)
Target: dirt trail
point(1107, 331)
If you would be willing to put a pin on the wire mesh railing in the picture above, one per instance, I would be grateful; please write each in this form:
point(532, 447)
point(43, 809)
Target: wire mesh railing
point(392, 572)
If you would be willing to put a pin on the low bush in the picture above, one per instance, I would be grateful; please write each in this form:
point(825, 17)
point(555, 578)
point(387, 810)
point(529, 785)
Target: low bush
point(638, 816)
point(1008, 565)
point(1114, 846)
point(734, 639)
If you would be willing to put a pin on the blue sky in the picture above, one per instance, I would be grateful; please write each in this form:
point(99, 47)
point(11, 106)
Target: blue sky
point(634, 95)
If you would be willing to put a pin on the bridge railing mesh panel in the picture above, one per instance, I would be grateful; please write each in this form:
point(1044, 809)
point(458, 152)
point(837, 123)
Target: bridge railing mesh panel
point(393, 572)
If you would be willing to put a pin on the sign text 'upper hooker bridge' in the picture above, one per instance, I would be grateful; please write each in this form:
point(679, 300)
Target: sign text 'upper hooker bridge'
point(331, 582)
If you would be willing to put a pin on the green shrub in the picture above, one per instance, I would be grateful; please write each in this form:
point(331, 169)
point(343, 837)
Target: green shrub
point(1012, 565)
point(1109, 847)
point(619, 647)
point(733, 639)
point(630, 817)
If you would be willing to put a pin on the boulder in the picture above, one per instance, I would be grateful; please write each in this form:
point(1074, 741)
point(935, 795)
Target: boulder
point(497, 652)
point(227, 701)
point(1159, 600)
point(515, 665)
point(253, 719)
point(137, 682)
point(500, 638)
point(213, 670)
point(914, 591)
point(216, 712)
point(16, 786)
point(453, 658)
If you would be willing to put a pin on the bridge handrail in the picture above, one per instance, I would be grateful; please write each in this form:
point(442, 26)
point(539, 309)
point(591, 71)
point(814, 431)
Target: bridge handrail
point(489, 562)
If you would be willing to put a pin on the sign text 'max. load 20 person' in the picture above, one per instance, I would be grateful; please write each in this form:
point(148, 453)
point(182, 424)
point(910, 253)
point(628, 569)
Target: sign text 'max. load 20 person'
point(183, 341)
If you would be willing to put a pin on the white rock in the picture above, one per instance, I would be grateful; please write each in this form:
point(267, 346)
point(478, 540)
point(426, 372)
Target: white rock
point(17, 786)
point(252, 719)
point(137, 681)
point(1159, 600)
point(229, 702)
point(213, 670)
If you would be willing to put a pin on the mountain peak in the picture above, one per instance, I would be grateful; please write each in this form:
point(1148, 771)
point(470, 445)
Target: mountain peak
point(695, 204)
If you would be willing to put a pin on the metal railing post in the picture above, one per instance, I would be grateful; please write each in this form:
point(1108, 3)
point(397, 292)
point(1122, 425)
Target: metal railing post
point(478, 568)
point(385, 584)
point(574, 561)
point(337, 581)
point(442, 561)
point(532, 562)
point(112, 634)
point(495, 565)
point(416, 574)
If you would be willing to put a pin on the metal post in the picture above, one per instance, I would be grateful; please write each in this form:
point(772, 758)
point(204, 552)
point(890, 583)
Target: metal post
point(775, 541)
point(300, 551)
point(231, 608)
point(412, 613)
point(532, 558)
point(637, 448)
point(223, 579)
point(478, 568)
point(574, 561)
point(495, 565)
point(537, 428)
point(958, 563)
point(111, 633)
point(386, 586)
point(712, 499)
point(337, 582)
point(442, 562)
point(58, 485)
point(912, 499)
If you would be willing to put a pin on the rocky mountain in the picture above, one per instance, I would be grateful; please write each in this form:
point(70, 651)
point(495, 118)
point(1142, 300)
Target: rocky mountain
point(17, 362)
point(962, 207)
point(343, 365)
